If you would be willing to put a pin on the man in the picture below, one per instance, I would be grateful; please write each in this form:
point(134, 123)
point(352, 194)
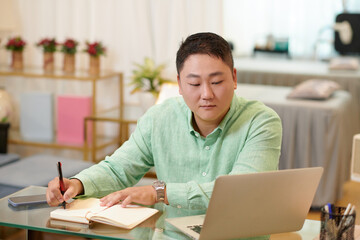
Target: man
point(190, 140)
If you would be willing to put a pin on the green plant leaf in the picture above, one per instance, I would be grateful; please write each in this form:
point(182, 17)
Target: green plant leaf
point(4, 119)
point(147, 77)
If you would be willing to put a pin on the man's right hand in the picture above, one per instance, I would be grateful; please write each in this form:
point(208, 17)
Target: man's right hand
point(73, 187)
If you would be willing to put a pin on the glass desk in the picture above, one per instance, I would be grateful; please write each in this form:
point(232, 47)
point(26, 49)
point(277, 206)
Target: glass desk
point(36, 220)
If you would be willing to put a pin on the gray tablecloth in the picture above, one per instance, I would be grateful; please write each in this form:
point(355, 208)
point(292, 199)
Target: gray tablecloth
point(315, 133)
point(281, 72)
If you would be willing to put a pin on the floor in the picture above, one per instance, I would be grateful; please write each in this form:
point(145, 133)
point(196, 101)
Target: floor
point(351, 195)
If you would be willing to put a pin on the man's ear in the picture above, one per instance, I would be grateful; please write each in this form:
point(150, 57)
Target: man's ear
point(234, 78)
point(179, 84)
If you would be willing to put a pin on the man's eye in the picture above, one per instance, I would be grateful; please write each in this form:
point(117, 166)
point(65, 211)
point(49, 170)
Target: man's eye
point(194, 84)
point(217, 82)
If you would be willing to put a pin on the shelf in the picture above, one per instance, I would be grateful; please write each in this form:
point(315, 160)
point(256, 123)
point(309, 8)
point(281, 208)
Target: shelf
point(128, 114)
point(32, 72)
point(29, 73)
point(15, 138)
point(272, 51)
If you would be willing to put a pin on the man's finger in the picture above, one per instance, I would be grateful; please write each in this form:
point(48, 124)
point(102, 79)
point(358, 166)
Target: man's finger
point(70, 193)
point(126, 201)
point(111, 199)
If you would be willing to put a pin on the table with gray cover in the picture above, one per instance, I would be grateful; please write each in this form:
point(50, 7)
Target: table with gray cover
point(284, 72)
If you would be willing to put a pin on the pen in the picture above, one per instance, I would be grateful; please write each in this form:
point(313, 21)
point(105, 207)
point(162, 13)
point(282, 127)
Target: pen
point(326, 207)
point(348, 220)
point(61, 182)
point(347, 210)
point(352, 210)
point(330, 210)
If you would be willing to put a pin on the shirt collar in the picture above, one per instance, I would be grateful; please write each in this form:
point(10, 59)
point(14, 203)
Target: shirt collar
point(189, 120)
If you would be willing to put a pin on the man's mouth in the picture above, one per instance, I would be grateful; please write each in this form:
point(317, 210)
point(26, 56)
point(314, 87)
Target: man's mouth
point(207, 106)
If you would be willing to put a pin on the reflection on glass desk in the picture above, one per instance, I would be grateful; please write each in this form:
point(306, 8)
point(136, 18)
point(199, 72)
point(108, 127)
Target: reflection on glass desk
point(36, 219)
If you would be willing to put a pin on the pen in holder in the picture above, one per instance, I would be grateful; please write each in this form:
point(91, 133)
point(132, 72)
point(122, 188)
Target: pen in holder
point(337, 222)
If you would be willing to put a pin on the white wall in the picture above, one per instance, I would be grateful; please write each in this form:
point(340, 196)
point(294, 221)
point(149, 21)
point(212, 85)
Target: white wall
point(130, 29)
point(246, 22)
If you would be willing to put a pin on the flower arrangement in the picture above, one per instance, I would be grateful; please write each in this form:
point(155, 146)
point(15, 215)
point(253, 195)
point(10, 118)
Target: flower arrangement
point(15, 44)
point(48, 45)
point(95, 49)
point(147, 77)
point(69, 46)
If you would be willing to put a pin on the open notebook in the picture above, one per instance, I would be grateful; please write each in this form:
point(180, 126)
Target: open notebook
point(87, 210)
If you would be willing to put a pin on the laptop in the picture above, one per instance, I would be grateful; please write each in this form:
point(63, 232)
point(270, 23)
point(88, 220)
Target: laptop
point(254, 204)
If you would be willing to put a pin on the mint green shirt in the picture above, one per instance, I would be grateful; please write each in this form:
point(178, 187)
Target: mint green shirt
point(247, 140)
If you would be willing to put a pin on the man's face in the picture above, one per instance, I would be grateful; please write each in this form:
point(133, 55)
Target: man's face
point(207, 85)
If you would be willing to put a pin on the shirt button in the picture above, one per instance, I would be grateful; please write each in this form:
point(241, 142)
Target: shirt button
point(204, 174)
point(159, 230)
point(178, 206)
point(207, 148)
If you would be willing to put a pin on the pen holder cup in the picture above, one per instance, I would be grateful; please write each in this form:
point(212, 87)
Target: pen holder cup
point(336, 225)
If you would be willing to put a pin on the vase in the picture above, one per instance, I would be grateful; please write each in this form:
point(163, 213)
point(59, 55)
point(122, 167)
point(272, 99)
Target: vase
point(69, 63)
point(17, 60)
point(48, 61)
point(94, 65)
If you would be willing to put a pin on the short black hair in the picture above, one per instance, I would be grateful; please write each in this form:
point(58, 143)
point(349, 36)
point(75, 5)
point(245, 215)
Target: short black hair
point(204, 43)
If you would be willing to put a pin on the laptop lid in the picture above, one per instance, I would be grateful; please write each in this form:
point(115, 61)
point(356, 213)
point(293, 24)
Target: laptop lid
point(258, 204)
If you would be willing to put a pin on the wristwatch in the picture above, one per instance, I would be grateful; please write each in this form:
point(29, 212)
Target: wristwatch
point(159, 187)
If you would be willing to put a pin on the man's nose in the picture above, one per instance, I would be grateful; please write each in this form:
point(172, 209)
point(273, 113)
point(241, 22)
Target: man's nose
point(207, 92)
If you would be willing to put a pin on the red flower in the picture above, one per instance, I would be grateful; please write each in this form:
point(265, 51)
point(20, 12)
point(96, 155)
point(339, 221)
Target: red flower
point(49, 45)
point(15, 44)
point(69, 46)
point(95, 49)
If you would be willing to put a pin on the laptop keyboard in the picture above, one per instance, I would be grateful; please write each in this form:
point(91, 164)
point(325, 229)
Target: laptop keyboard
point(195, 228)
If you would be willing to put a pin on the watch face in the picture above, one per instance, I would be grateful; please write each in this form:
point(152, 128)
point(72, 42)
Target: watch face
point(159, 187)
point(159, 184)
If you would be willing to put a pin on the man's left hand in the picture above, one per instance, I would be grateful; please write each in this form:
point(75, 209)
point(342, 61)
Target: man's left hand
point(145, 195)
